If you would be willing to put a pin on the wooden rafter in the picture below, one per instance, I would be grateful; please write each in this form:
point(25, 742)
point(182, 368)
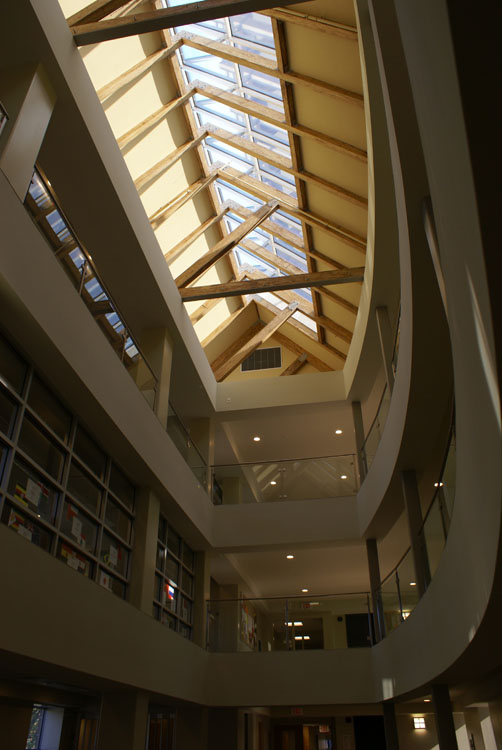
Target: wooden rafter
point(138, 70)
point(262, 65)
point(95, 11)
point(149, 122)
point(163, 213)
point(266, 154)
point(95, 31)
point(300, 280)
point(175, 251)
point(288, 343)
point(223, 326)
point(314, 23)
point(164, 164)
point(224, 246)
point(267, 114)
point(288, 205)
point(234, 360)
point(296, 365)
point(203, 309)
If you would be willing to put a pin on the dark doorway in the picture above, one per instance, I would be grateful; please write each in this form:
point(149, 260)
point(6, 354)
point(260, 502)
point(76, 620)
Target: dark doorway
point(369, 733)
point(358, 630)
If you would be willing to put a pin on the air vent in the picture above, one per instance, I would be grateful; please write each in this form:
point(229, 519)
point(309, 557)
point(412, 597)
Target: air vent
point(262, 359)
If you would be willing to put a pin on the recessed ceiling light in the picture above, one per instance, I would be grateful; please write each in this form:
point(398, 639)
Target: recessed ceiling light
point(338, 432)
point(306, 638)
point(305, 591)
point(344, 476)
point(413, 583)
point(298, 637)
point(298, 624)
point(438, 484)
point(427, 700)
point(290, 557)
point(273, 482)
point(257, 438)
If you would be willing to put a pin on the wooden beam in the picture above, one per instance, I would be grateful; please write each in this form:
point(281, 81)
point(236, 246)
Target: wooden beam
point(95, 11)
point(283, 340)
point(202, 310)
point(288, 205)
point(164, 164)
point(223, 326)
point(296, 365)
point(248, 348)
point(160, 216)
point(225, 245)
point(268, 257)
point(138, 70)
point(149, 122)
point(314, 23)
point(190, 238)
point(93, 32)
point(349, 306)
point(263, 65)
point(101, 307)
point(298, 281)
point(266, 154)
point(253, 109)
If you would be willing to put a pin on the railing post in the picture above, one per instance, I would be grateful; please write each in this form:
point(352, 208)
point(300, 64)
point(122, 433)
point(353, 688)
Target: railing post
point(286, 620)
point(386, 344)
point(374, 571)
point(414, 515)
point(357, 416)
point(398, 587)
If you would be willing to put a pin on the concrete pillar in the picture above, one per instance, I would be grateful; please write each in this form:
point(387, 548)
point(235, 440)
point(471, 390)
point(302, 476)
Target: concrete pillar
point(14, 725)
point(390, 726)
point(357, 416)
point(28, 97)
point(445, 725)
point(414, 515)
point(386, 344)
point(123, 721)
point(144, 555)
point(374, 571)
point(157, 347)
point(201, 595)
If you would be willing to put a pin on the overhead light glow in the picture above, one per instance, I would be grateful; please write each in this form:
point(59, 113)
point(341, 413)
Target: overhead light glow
point(257, 439)
point(344, 476)
point(338, 432)
point(290, 557)
point(273, 482)
point(305, 591)
point(427, 700)
point(413, 583)
point(418, 722)
point(306, 638)
point(438, 484)
point(298, 637)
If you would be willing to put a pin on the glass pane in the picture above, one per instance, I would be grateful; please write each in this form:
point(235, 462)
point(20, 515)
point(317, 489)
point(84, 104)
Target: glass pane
point(112, 584)
point(79, 527)
point(114, 555)
point(434, 535)
point(188, 556)
point(117, 520)
point(28, 488)
point(271, 131)
point(254, 27)
point(185, 631)
point(261, 82)
point(170, 597)
point(161, 557)
point(7, 413)
point(173, 542)
point(26, 528)
point(49, 409)
point(168, 620)
point(162, 529)
point(186, 582)
point(83, 488)
point(40, 448)
point(186, 609)
point(122, 487)
point(158, 588)
point(156, 612)
point(75, 559)
point(87, 450)
point(172, 570)
point(12, 367)
point(3, 456)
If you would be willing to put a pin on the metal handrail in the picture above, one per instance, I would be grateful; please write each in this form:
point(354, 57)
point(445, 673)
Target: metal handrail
point(186, 431)
point(275, 598)
point(281, 460)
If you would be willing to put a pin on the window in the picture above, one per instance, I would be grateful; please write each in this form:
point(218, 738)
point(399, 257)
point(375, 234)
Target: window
point(59, 489)
point(174, 581)
point(419, 722)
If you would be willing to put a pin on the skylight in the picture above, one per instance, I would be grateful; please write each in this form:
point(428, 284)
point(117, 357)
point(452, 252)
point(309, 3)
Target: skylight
point(267, 159)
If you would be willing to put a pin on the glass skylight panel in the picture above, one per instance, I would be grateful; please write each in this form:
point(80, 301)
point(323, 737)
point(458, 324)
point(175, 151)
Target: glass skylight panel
point(253, 27)
point(287, 222)
point(301, 318)
point(230, 193)
point(271, 131)
point(261, 82)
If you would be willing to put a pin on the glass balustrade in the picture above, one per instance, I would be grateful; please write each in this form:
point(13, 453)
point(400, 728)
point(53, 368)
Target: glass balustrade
point(271, 481)
point(80, 269)
point(375, 432)
point(302, 623)
point(180, 436)
point(398, 592)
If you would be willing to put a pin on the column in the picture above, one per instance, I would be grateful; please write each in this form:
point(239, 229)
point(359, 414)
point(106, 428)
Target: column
point(14, 725)
point(357, 416)
point(202, 578)
point(374, 571)
point(144, 555)
point(191, 727)
point(495, 708)
point(414, 514)
point(386, 344)
point(28, 97)
point(223, 729)
point(123, 720)
point(444, 718)
point(390, 726)
point(157, 347)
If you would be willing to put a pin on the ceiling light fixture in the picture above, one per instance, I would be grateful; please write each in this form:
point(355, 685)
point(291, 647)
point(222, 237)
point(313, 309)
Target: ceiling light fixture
point(344, 476)
point(427, 700)
point(257, 438)
point(338, 432)
point(290, 557)
point(273, 482)
point(412, 583)
point(305, 591)
point(438, 484)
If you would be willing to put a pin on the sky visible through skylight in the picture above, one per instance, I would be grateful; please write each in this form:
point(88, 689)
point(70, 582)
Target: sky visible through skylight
point(250, 32)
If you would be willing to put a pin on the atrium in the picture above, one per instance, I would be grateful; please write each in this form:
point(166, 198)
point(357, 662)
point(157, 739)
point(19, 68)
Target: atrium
point(250, 489)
